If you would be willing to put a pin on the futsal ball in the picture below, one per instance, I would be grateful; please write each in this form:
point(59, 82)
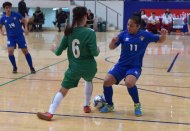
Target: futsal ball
point(99, 101)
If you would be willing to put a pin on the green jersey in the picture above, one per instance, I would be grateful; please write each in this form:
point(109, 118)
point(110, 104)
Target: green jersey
point(81, 48)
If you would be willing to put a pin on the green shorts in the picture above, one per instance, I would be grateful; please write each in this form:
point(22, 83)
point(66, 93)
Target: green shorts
point(72, 77)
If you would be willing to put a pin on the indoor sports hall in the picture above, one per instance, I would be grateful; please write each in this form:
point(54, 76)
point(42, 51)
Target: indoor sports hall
point(163, 87)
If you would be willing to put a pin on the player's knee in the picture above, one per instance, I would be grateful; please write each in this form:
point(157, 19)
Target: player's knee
point(63, 91)
point(107, 82)
point(11, 53)
point(25, 52)
point(129, 84)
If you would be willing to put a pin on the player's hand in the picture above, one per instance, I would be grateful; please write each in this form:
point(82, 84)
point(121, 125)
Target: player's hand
point(163, 32)
point(114, 40)
point(53, 47)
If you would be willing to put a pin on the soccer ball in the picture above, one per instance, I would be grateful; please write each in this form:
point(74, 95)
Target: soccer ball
point(99, 101)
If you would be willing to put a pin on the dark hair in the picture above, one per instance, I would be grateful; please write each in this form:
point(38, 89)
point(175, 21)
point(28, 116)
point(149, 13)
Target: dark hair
point(78, 14)
point(7, 4)
point(136, 17)
point(144, 12)
point(167, 12)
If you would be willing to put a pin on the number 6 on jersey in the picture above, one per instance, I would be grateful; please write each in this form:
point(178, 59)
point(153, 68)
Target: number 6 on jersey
point(75, 48)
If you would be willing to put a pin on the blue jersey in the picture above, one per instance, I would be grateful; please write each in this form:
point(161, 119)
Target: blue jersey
point(133, 47)
point(12, 23)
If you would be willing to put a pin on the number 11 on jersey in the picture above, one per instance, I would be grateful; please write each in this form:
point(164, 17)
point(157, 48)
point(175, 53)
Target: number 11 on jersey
point(133, 47)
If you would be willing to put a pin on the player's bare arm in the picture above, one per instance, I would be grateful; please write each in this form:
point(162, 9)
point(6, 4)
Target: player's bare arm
point(1, 29)
point(25, 25)
point(112, 43)
point(163, 34)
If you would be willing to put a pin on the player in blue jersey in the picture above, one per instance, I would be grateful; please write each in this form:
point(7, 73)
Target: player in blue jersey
point(133, 43)
point(12, 22)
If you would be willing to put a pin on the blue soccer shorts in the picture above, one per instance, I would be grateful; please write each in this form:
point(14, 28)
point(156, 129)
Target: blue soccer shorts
point(121, 72)
point(18, 39)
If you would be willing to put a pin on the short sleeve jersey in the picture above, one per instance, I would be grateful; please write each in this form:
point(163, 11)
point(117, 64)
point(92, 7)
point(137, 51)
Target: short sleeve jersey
point(81, 46)
point(133, 47)
point(12, 23)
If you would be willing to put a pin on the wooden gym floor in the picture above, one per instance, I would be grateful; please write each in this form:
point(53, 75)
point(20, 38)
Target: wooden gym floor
point(163, 88)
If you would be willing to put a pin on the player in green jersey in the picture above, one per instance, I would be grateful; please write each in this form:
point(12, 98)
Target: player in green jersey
point(80, 43)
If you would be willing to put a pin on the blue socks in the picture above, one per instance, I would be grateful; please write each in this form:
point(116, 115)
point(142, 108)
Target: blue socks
point(134, 94)
point(108, 93)
point(12, 59)
point(29, 60)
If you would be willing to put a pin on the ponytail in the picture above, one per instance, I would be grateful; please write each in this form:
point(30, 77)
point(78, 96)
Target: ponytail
point(78, 15)
point(69, 29)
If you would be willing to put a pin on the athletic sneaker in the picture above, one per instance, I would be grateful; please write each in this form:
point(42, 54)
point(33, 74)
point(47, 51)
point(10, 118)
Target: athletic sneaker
point(87, 109)
point(138, 111)
point(44, 116)
point(32, 70)
point(14, 70)
point(106, 108)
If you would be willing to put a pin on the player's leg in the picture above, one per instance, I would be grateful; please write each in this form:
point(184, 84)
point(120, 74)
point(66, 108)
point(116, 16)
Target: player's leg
point(22, 44)
point(12, 58)
point(88, 76)
point(70, 81)
point(55, 103)
point(132, 76)
point(88, 89)
point(114, 76)
point(108, 93)
point(29, 60)
point(11, 44)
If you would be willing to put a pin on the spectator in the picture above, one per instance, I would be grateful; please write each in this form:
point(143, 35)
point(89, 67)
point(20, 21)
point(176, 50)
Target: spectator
point(61, 17)
point(38, 19)
point(167, 12)
point(22, 9)
point(90, 19)
point(144, 19)
point(185, 30)
point(153, 23)
point(167, 22)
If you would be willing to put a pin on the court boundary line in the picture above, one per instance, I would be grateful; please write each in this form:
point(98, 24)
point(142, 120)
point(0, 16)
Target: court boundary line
point(173, 62)
point(55, 80)
point(11, 81)
point(100, 117)
point(106, 59)
point(94, 77)
point(167, 94)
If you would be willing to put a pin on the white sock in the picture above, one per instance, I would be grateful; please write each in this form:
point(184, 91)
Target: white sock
point(55, 103)
point(88, 88)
